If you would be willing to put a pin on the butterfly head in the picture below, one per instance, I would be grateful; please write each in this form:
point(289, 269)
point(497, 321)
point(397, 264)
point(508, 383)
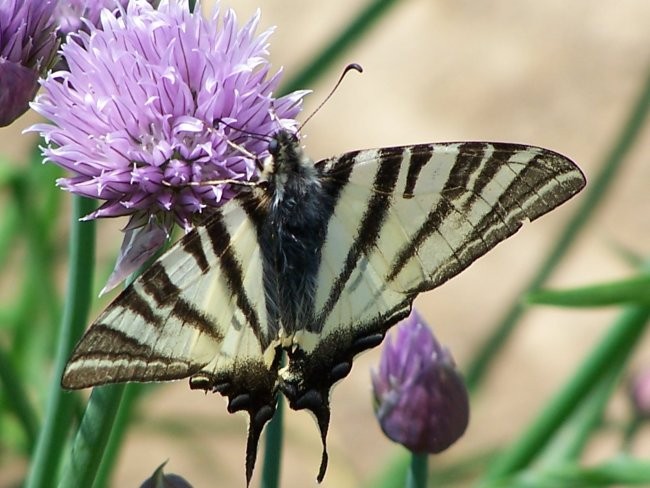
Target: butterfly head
point(287, 168)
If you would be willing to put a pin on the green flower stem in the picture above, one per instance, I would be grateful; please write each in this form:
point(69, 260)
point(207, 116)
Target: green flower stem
point(617, 343)
point(132, 393)
point(273, 448)
point(418, 470)
point(351, 33)
point(104, 421)
point(92, 437)
point(59, 410)
point(594, 194)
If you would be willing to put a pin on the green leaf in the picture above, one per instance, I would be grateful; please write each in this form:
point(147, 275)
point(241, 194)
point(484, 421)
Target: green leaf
point(628, 291)
point(613, 349)
point(619, 471)
point(353, 32)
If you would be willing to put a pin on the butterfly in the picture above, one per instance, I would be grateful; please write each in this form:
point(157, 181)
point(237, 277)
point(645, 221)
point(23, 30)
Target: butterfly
point(315, 262)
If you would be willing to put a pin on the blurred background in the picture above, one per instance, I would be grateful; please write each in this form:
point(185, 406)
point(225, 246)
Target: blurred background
point(562, 75)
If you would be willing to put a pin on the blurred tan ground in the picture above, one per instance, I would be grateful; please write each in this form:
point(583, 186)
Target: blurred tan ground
point(556, 74)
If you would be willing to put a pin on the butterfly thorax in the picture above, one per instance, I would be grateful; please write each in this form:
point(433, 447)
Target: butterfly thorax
point(292, 234)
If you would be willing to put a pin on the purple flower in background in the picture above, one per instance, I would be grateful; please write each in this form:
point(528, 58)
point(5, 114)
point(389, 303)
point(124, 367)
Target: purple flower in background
point(154, 104)
point(71, 12)
point(640, 393)
point(27, 50)
point(420, 399)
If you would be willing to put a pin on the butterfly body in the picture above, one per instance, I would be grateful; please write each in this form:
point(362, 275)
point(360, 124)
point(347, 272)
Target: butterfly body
point(316, 262)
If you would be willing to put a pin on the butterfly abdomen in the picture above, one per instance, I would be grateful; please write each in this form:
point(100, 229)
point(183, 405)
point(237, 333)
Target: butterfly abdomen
point(292, 237)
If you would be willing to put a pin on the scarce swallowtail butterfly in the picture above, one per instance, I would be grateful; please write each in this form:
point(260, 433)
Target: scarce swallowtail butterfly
point(316, 261)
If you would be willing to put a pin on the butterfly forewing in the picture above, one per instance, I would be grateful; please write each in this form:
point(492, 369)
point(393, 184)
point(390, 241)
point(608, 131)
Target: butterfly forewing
point(408, 219)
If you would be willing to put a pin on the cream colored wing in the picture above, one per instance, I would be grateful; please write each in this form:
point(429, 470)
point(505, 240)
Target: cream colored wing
point(198, 311)
point(406, 220)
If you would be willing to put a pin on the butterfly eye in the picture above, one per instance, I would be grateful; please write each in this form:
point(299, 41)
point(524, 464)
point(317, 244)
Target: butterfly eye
point(273, 145)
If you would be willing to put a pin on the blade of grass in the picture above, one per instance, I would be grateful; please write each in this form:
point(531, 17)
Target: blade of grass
point(593, 196)
point(53, 435)
point(620, 471)
point(619, 340)
point(631, 290)
point(570, 440)
point(322, 61)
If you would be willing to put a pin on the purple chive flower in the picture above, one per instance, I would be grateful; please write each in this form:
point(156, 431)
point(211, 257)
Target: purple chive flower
point(75, 15)
point(154, 105)
point(27, 50)
point(420, 399)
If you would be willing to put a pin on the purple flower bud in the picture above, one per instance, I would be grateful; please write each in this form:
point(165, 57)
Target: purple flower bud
point(161, 480)
point(158, 104)
point(27, 50)
point(640, 393)
point(420, 399)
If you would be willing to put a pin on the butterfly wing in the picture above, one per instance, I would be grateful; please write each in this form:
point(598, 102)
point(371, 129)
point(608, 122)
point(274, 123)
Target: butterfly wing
point(406, 220)
point(198, 311)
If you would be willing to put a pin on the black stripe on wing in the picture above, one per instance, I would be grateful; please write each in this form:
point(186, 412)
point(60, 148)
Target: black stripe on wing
point(369, 228)
point(231, 268)
point(544, 172)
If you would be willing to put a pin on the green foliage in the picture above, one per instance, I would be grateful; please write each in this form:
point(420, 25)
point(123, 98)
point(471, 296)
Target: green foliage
point(634, 290)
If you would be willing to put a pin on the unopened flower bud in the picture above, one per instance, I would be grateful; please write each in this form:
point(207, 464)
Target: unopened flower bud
point(421, 400)
point(161, 480)
point(27, 50)
point(640, 393)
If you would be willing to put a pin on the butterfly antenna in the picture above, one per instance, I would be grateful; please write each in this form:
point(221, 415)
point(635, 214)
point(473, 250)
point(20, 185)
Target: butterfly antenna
point(263, 137)
point(346, 70)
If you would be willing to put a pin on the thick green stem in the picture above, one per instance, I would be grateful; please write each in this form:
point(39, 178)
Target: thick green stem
point(58, 417)
point(273, 448)
point(122, 419)
point(418, 471)
point(92, 437)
